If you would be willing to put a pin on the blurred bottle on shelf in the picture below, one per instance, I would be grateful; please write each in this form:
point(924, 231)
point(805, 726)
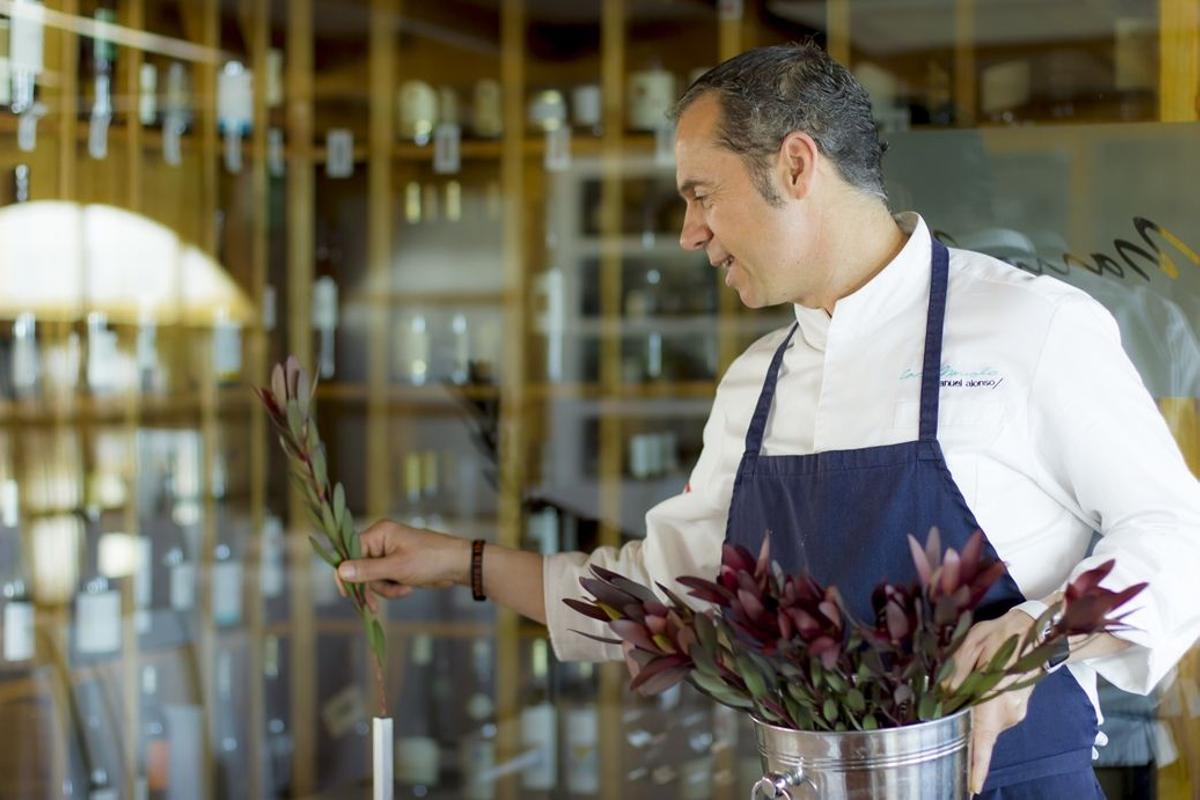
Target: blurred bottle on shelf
point(542, 531)
point(25, 53)
point(487, 111)
point(652, 92)
point(581, 723)
point(539, 728)
point(418, 755)
point(417, 106)
point(279, 744)
point(100, 740)
point(26, 358)
point(155, 747)
point(19, 642)
point(231, 777)
point(99, 71)
point(477, 750)
point(147, 105)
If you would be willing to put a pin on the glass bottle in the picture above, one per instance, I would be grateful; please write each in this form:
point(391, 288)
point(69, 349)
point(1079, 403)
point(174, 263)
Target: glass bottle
point(418, 757)
point(539, 728)
point(477, 750)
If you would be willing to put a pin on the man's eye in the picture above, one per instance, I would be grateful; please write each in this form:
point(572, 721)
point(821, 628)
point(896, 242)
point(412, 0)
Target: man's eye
point(702, 199)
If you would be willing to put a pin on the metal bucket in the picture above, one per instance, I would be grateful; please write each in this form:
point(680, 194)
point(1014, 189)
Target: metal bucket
point(929, 761)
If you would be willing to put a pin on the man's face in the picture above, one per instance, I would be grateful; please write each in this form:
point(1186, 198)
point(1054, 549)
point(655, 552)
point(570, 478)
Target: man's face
point(759, 246)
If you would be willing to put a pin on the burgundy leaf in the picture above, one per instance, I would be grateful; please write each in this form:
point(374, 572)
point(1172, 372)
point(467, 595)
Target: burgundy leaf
point(751, 605)
point(763, 565)
point(919, 560)
point(707, 591)
point(737, 558)
point(933, 547)
point(971, 555)
point(634, 633)
point(624, 584)
point(605, 593)
point(950, 572)
point(587, 609)
point(661, 674)
point(593, 637)
point(1089, 580)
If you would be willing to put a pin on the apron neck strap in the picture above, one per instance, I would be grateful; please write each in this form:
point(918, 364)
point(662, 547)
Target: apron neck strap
point(931, 368)
point(758, 423)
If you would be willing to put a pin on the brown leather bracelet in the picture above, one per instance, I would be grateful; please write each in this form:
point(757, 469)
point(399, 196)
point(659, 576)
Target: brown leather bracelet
point(477, 571)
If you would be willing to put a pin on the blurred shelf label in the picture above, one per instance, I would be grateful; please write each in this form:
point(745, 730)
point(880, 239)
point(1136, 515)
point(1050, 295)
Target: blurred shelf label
point(558, 149)
point(339, 147)
point(18, 630)
point(447, 138)
point(276, 162)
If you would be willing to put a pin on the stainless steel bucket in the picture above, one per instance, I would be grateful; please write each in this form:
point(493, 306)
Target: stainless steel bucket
point(929, 761)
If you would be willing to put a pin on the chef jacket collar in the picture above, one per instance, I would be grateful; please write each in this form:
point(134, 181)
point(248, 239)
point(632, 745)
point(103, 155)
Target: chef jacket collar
point(893, 290)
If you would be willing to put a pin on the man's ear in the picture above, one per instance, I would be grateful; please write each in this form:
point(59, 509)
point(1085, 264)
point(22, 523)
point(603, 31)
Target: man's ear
point(798, 156)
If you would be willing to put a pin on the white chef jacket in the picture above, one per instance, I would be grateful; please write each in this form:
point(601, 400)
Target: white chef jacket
point(1045, 425)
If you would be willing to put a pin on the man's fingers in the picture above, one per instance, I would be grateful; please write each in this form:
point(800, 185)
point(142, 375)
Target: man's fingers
point(390, 589)
point(365, 570)
point(984, 732)
point(964, 661)
point(340, 586)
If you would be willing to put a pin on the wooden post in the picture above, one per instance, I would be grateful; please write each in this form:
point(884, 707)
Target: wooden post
point(257, 13)
point(300, 212)
point(1179, 60)
point(512, 390)
point(611, 676)
point(837, 30)
point(965, 101)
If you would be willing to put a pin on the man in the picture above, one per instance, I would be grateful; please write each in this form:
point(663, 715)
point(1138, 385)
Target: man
point(919, 387)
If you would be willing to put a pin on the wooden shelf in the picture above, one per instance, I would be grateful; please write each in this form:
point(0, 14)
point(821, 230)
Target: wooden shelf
point(118, 409)
point(405, 395)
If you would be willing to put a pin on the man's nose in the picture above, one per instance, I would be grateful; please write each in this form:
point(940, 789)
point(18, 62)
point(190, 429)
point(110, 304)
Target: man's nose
point(695, 233)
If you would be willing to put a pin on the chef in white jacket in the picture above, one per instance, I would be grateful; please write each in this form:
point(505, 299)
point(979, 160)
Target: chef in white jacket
point(1046, 429)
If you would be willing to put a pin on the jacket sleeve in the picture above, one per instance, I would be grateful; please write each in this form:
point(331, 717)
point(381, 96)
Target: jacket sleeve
point(1104, 451)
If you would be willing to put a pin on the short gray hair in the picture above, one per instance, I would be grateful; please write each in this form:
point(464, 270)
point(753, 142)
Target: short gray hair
point(769, 92)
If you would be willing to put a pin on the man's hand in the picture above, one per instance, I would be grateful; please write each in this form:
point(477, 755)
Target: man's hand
point(397, 559)
point(990, 719)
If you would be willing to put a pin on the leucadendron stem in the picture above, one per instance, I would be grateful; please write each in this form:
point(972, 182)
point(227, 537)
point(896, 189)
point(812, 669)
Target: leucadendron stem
point(288, 402)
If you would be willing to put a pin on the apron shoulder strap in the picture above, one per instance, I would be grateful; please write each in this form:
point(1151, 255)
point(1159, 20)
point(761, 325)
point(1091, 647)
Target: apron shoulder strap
point(758, 423)
point(931, 368)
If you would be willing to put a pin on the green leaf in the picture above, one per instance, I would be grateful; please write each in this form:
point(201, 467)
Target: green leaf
point(706, 632)
point(944, 673)
point(1004, 654)
point(295, 419)
point(353, 545)
point(855, 701)
point(339, 504)
point(869, 723)
point(318, 469)
point(749, 673)
point(320, 550)
point(720, 691)
point(830, 709)
point(835, 681)
point(927, 707)
point(327, 523)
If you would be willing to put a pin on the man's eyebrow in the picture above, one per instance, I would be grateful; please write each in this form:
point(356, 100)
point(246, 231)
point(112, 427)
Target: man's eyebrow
point(689, 186)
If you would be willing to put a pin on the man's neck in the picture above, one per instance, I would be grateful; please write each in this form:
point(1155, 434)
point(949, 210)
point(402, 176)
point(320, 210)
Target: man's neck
point(862, 238)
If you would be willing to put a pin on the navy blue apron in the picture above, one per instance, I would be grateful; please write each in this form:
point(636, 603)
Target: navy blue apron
point(844, 517)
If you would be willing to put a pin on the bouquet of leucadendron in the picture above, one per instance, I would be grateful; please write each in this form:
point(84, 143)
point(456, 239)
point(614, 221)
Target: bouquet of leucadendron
point(289, 404)
point(785, 648)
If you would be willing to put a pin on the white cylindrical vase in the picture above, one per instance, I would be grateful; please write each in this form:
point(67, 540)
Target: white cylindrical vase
point(381, 757)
